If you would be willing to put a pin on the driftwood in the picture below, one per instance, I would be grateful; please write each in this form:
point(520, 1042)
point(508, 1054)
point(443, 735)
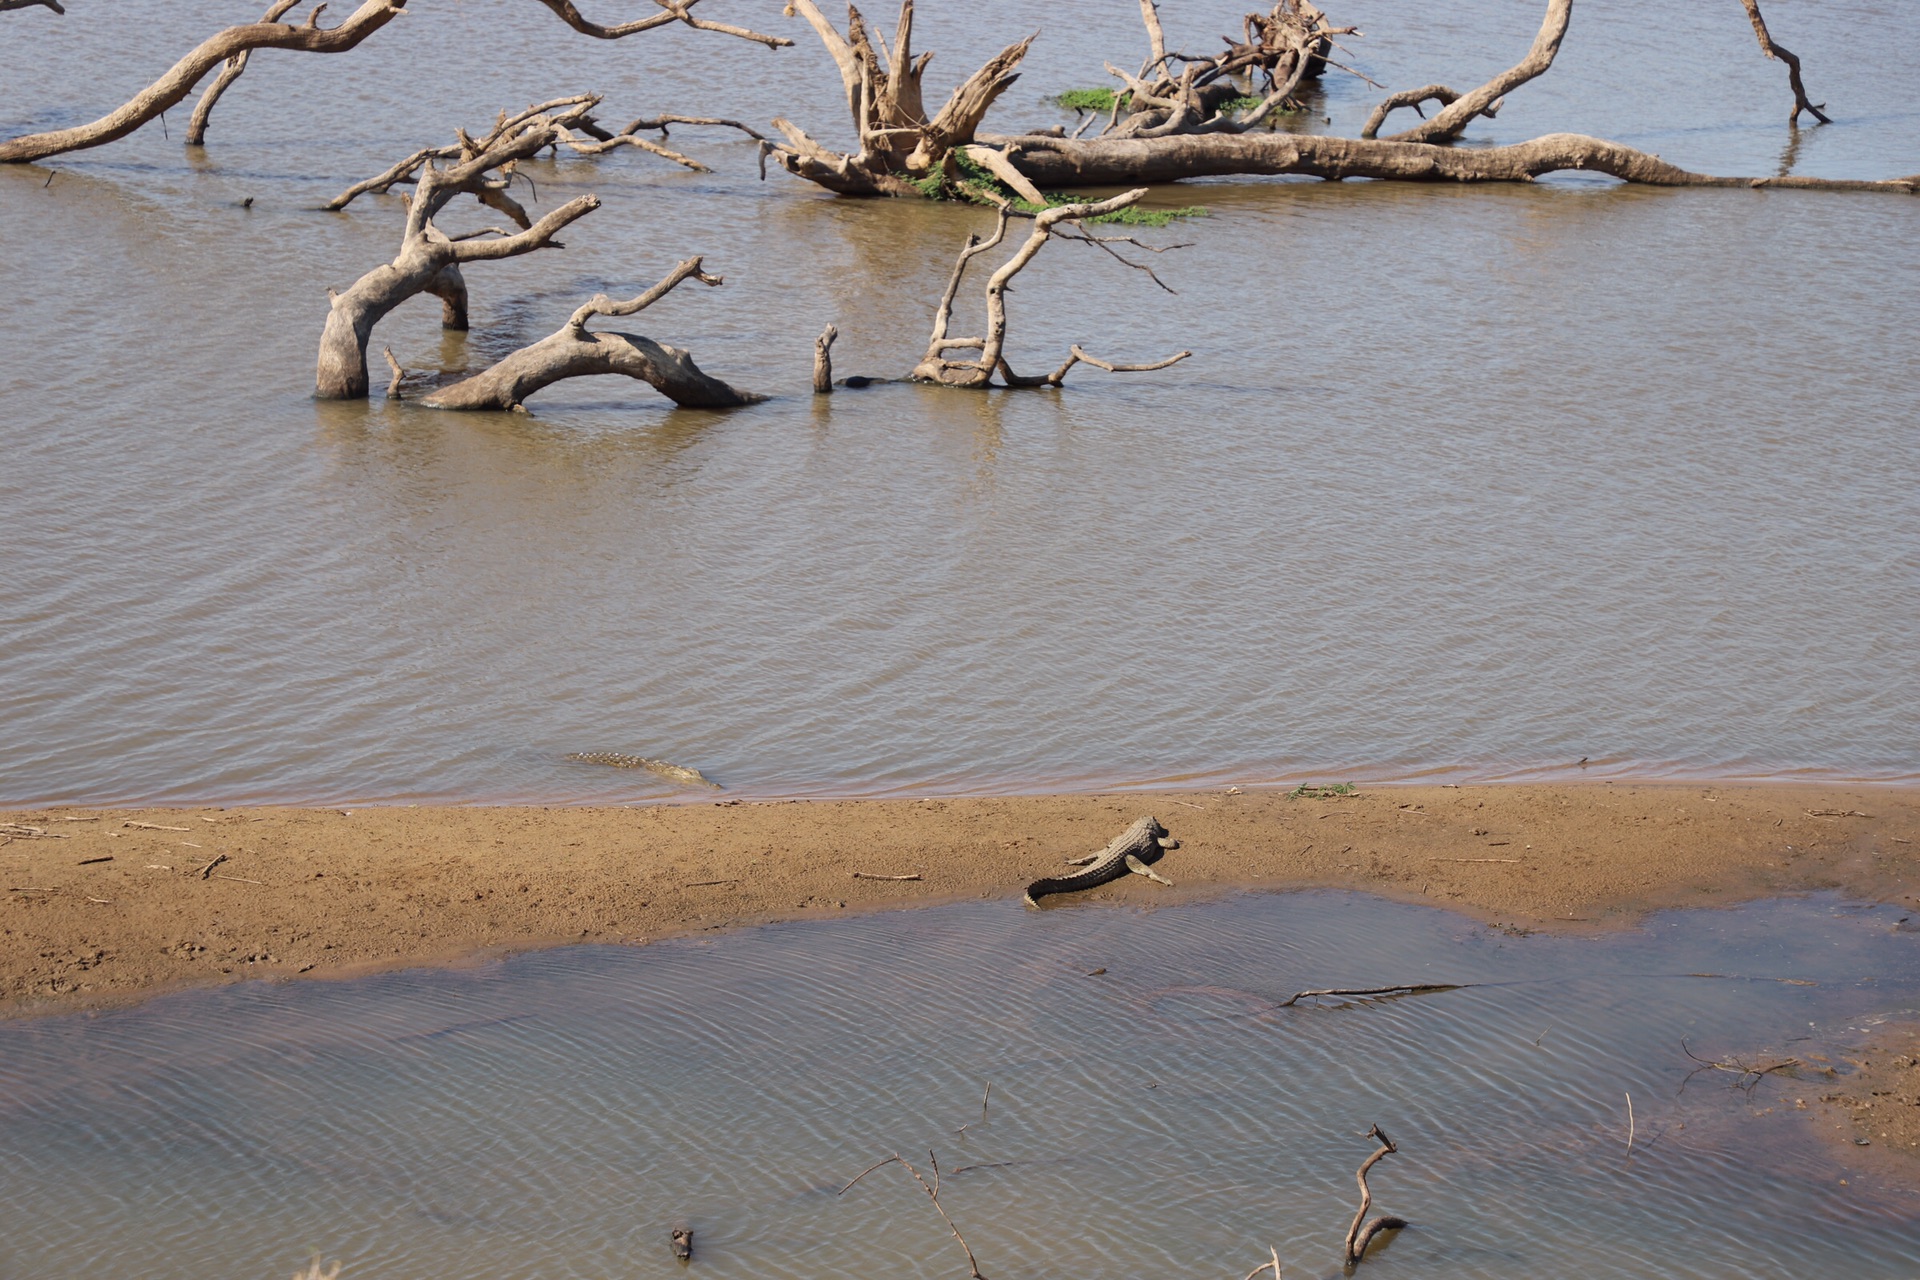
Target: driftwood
point(1181, 126)
point(229, 72)
point(977, 373)
point(223, 47)
point(429, 260)
point(884, 96)
point(31, 4)
point(1358, 1236)
point(1783, 54)
point(574, 352)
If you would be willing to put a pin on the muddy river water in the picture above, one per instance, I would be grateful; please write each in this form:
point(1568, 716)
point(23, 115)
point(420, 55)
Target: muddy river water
point(1461, 482)
point(1153, 1110)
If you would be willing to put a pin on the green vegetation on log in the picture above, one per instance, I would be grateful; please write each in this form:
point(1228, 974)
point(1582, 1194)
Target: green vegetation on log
point(977, 186)
point(1088, 99)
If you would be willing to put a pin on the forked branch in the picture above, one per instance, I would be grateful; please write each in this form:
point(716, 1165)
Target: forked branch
point(935, 367)
point(933, 1194)
point(203, 109)
point(1461, 109)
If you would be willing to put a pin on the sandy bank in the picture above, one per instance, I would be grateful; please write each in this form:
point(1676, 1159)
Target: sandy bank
point(110, 905)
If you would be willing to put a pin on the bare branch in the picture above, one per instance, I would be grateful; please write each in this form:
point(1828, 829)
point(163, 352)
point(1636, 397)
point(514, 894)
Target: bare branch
point(174, 86)
point(203, 109)
point(1358, 1237)
point(674, 11)
point(601, 305)
point(1412, 98)
point(1485, 100)
point(823, 386)
point(1773, 50)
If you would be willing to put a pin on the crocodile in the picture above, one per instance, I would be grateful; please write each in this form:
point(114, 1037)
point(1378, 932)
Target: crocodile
point(1131, 850)
point(672, 772)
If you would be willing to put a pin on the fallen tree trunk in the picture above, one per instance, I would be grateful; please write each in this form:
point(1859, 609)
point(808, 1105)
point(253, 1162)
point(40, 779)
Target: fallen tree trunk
point(1055, 163)
point(574, 352)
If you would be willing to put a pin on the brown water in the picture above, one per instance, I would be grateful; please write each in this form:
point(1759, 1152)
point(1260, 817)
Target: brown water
point(1461, 482)
point(557, 1114)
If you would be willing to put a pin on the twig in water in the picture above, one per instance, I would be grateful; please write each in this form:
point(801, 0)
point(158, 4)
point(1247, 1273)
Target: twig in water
point(1736, 1067)
point(867, 875)
point(1274, 1265)
point(1408, 988)
point(933, 1194)
point(1629, 1124)
point(984, 1095)
point(1358, 1237)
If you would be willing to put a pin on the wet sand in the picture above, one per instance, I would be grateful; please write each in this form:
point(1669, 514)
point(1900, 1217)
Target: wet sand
point(112, 905)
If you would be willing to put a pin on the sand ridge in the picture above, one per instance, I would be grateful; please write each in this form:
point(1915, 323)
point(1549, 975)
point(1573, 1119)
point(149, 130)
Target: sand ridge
point(113, 904)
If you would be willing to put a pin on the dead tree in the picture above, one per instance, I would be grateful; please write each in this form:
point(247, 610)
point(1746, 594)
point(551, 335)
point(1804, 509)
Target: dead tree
point(573, 128)
point(574, 352)
point(1358, 1236)
point(231, 71)
point(885, 98)
point(235, 42)
point(1781, 52)
point(429, 260)
point(1180, 131)
point(1460, 110)
point(977, 373)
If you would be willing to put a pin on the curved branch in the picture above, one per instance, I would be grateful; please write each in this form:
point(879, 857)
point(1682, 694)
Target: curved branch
point(174, 86)
point(1411, 98)
point(673, 11)
point(1772, 50)
point(574, 352)
point(1358, 1237)
point(203, 109)
point(1485, 100)
point(31, 4)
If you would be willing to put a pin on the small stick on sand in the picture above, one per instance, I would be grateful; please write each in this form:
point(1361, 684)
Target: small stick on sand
point(708, 884)
point(151, 826)
point(87, 862)
point(1473, 860)
point(207, 871)
point(240, 879)
point(24, 832)
point(867, 875)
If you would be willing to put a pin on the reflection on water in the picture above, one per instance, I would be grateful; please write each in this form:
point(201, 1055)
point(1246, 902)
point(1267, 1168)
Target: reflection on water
point(1466, 481)
point(557, 1114)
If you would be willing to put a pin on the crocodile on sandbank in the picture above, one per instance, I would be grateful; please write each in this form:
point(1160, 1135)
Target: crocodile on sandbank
point(1131, 850)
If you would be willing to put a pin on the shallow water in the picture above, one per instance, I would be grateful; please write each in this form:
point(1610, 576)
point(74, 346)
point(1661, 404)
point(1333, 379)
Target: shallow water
point(556, 1114)
point(1461, 482)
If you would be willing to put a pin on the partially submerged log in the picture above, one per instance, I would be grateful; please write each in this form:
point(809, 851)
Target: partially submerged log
point(575, 352)
point(1182, 126)
point(978, 373)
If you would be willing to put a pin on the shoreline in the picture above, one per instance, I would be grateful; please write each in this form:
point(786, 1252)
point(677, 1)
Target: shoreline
point(116, 904)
